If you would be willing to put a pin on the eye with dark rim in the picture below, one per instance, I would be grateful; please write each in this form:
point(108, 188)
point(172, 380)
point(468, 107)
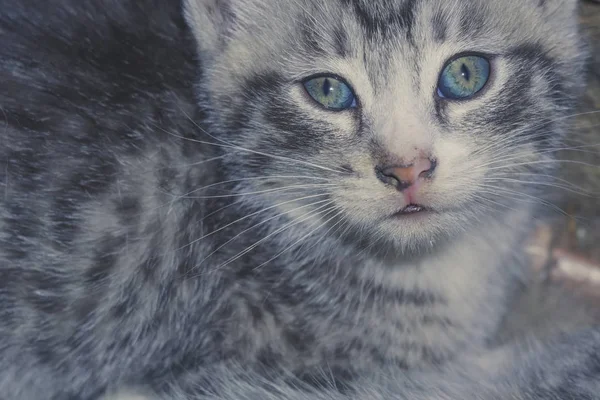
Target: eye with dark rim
point(463, 76)
point(330, 92)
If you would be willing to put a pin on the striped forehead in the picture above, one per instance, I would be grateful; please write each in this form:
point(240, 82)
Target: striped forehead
point(391, 36)
point(399, 19)
point(388, 29)
point(385, 18)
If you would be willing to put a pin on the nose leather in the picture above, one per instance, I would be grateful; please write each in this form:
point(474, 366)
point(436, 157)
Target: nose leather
point(408, 175)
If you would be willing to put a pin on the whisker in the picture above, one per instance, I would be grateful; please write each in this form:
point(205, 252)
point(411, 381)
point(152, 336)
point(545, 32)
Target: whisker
point(529, 201)
point(550, 177)
point(583, 163)
point(248, 216)
point(507, 146)
point(228, 144)
point(153, 169)
point(301, 239)
point(179, 197)
point(510, 150)
point(327, 203)
point(484, 200)
point(187, 195)
point(498, 158)
point(525, 140)
point(273, 190)
point(580, 114)
point(257, 178)
point(528, 196)
point(285, 227)
point(235, 203)
point(374, 242)
point(564, 187)
point(345, 223)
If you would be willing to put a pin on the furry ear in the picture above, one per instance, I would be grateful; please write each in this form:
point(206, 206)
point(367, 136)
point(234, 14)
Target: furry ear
point(210, 21)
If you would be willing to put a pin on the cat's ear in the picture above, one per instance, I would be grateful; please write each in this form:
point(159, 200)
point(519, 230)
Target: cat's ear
point(210, 21)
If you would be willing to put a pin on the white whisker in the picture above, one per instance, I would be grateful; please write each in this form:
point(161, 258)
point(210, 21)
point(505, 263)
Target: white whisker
point(524, 196)
point(327, 203)
point(234, 146)
point(553, 185)
point(256, 244)
point(310, 233)
point(583, 163)
point(273, 190)
point(249, 216)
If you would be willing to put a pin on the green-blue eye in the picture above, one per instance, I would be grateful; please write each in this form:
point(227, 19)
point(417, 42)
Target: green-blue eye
point(331, 93)
point(464, 76)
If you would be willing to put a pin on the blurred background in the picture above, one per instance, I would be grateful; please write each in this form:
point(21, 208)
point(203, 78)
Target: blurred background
point(567, 248)
point(561, 292)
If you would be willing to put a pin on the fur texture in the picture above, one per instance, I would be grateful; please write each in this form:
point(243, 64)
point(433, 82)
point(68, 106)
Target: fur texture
point(178, 215)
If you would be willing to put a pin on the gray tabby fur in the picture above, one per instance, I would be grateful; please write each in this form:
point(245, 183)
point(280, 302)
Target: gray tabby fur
point(181, 221)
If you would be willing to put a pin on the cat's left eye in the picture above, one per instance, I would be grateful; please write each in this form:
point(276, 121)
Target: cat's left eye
point(332, 93)
point(463, 77)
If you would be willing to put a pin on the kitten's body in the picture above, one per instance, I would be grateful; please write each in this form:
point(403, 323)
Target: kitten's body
point(127, 208)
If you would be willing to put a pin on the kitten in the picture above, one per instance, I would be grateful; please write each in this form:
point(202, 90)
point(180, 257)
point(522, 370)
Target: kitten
point(252, 199)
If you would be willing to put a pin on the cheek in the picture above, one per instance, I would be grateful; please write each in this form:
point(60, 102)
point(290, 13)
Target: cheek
point(341, 125)
point(364, 205)
point(471, 170)
point(461, 170)
point(296, 126)
point(362, 195)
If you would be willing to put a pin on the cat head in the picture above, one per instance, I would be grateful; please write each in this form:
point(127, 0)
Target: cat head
point(404, 121)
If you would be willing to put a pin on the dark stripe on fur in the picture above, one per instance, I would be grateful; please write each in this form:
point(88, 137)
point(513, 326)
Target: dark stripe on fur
point(379, 24)
point(439, 27)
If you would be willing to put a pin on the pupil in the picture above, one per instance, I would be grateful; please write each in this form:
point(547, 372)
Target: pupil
point(326, 87)
point(465, 72)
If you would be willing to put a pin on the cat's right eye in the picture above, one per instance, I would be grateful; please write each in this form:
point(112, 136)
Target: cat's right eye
point(330, 92)
point(463, 77)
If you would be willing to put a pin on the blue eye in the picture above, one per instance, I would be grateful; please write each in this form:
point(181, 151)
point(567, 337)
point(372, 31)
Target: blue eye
point(331, 93)
point(463, 77)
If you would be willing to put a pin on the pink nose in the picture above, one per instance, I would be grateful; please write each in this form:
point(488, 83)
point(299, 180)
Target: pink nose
point(403, 177)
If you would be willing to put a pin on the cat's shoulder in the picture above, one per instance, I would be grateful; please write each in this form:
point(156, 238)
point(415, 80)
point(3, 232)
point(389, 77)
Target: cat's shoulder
point(86, 51)
point(73, 69)
point(92, 92)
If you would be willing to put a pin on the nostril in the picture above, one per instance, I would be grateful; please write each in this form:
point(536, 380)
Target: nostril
point(428, 168)
point(402, 177)
point(401, 174)
point(399, 177)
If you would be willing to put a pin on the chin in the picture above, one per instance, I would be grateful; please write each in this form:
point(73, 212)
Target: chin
point(410, 235)
point(425, 231)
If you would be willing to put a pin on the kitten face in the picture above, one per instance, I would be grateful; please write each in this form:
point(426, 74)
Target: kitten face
point(401, 146)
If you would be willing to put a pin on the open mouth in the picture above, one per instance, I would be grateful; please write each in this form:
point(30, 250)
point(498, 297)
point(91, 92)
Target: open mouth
point(411, 209)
